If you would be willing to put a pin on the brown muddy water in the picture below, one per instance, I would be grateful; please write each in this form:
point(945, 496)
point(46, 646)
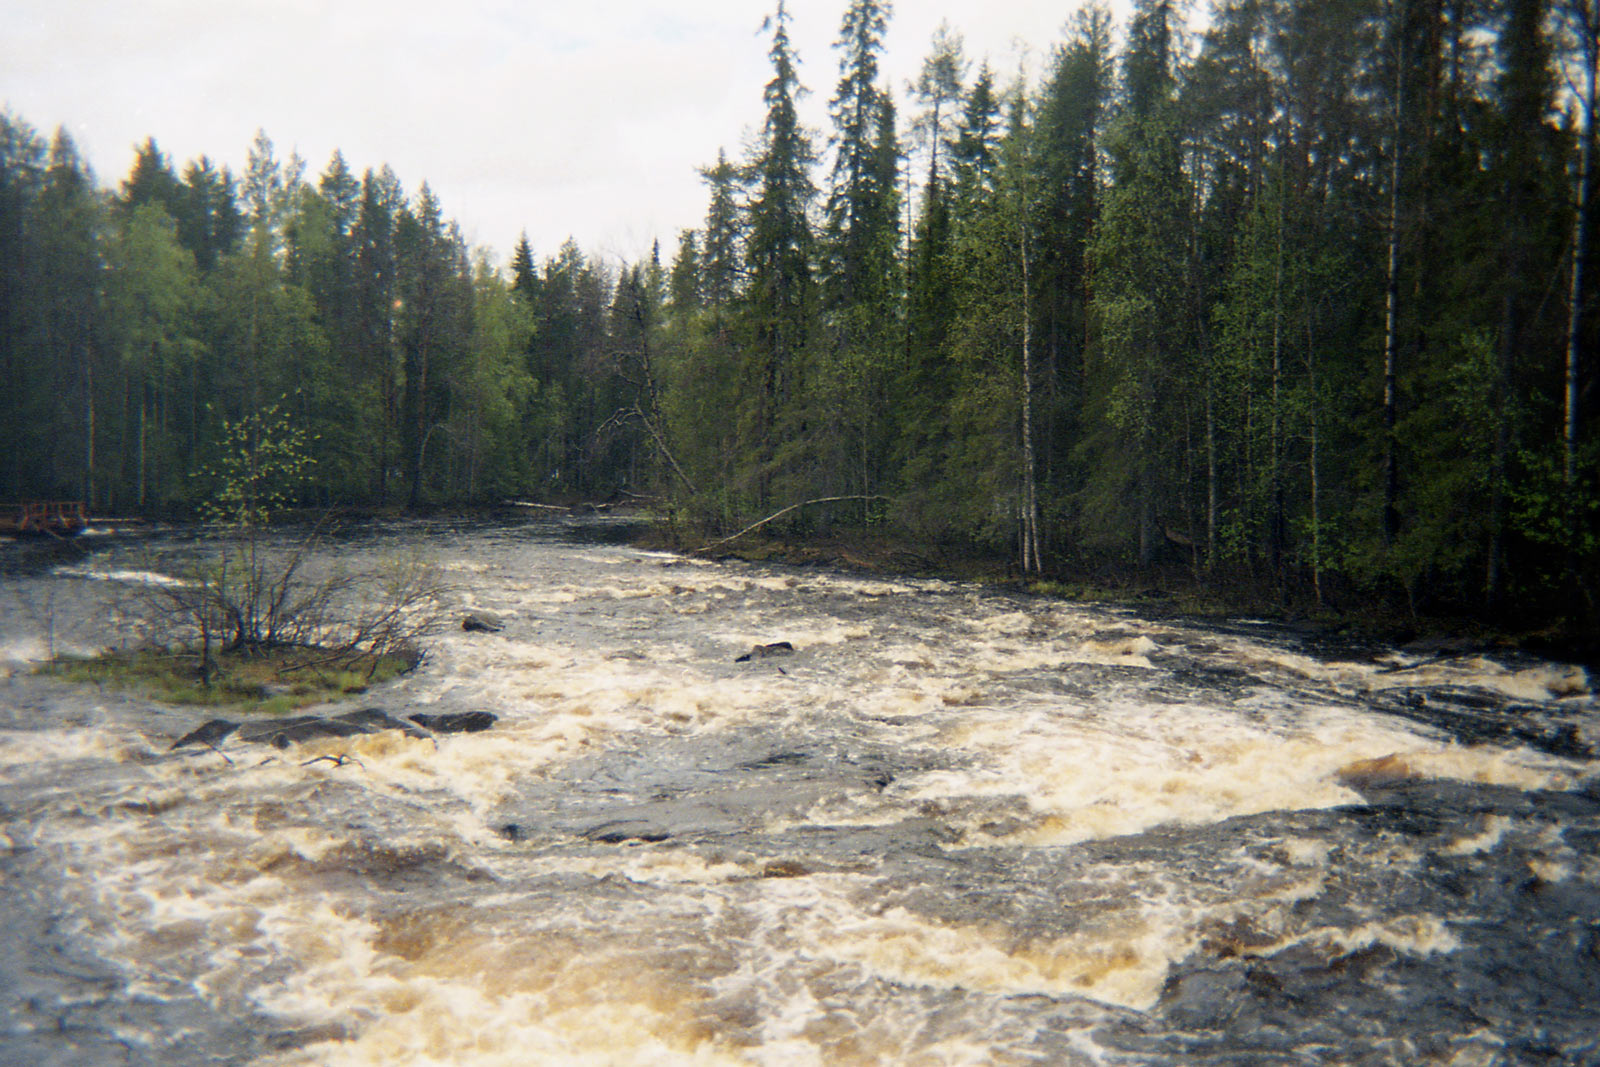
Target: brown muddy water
point(952, 826)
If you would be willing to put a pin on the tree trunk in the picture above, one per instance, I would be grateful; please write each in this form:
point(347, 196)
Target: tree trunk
point(88, 428)
point(1211, 478)
point(1316, 473)
point(1275, 519)
point(1391, 314)
point(1030, 519)
point(142, 406)
point(1587, 13)
point(1500, 458)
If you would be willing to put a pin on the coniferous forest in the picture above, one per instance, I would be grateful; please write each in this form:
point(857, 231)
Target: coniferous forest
point(1299, 299)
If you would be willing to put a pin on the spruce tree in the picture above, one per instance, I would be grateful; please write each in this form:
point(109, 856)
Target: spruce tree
point(1139, 276)
point(859, 262)
point(779, 298)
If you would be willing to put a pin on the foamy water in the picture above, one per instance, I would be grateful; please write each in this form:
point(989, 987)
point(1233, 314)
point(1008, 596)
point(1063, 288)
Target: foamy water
point(953, 826)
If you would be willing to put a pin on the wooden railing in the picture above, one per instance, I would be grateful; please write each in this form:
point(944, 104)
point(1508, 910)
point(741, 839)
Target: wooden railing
point(61, 517)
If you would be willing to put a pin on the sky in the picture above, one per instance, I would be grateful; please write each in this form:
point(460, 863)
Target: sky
point(580, 118)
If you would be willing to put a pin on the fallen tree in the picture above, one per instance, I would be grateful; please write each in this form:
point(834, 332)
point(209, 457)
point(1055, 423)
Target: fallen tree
point(858, 498)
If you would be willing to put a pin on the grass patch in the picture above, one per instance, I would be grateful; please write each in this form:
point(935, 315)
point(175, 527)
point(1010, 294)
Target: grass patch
point(269, 681)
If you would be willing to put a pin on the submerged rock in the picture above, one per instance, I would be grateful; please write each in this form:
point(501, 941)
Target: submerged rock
point(777, 648)
point(623, 831)
point(375, 719)
point(465, 722)
point(482, 622)
point(207, 733)
point(281, 733)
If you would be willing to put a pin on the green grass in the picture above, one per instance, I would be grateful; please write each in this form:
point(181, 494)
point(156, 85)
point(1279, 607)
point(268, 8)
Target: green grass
point(269, 681)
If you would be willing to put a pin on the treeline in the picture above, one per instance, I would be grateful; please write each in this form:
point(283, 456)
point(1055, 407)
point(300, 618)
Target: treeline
point(1303, 299)
point(136, 324)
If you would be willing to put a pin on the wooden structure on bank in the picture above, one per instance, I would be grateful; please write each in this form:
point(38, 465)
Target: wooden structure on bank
point(59, 518)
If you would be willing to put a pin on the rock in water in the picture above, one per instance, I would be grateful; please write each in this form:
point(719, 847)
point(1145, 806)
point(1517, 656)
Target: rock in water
point(374, 719)
point(777, 648)
point(207, 733)
point(465, 722)
point(283, 732)
point(482, 622)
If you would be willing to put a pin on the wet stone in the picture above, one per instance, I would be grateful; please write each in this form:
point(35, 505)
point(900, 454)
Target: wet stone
point(207, 733)
point(283, 732)
point(483, 622)
point(776, 648)
point(466, 722)
point(619, 833)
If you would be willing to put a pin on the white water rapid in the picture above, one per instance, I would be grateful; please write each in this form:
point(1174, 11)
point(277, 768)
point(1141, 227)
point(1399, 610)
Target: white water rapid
point(953, 826)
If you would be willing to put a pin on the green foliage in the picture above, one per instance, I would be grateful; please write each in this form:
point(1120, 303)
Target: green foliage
point(284, 681)
point(260, 467)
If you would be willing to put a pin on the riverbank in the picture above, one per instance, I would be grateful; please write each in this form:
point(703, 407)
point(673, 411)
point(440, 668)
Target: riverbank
point(1165, 590)
point(1169, 589)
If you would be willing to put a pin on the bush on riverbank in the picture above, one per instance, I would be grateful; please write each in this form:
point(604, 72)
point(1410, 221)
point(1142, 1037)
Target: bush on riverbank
point(250, 619)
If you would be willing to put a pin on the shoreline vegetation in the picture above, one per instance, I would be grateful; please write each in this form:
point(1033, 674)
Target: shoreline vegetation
point(264, 682)
point(1170, 590)
point(279, 680)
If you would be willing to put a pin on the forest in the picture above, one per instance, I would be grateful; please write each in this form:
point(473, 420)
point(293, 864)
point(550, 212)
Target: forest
point(1297, 298)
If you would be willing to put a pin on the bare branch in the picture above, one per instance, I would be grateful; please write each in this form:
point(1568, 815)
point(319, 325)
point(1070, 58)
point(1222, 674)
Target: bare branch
point(780, 514)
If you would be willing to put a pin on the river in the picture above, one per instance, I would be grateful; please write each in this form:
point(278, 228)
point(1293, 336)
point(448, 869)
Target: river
point(955, 825)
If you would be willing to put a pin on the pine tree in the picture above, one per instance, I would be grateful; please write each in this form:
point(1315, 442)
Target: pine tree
point(209, 222)
point(382, 198)
point(925, 382)
point(524, 274)
point(151, 181)
point(69, 229)
point(1067, 128)
point(859, 261)
point(152, 292)
point(723, 253)
point(779, 300)
point(1139, 275)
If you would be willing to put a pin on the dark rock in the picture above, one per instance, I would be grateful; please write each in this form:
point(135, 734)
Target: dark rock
point(625, 830)
point(373, 720)
point(207, 733)
point(281, 733)
point(483, 622)
point(411, 654)
point(784, 869)
point(465, 722)
point(777, 759)
point(1204, 999)
point(777, 648)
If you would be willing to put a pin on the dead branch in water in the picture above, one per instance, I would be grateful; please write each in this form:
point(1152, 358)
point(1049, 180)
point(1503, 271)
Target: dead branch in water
point(780, 514)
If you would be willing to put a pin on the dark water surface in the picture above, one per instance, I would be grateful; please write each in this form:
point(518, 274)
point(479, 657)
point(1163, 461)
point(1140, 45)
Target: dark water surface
point(952, 826)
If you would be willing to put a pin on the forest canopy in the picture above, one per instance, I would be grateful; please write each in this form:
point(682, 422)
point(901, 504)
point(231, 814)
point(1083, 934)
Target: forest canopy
point(1300, 297)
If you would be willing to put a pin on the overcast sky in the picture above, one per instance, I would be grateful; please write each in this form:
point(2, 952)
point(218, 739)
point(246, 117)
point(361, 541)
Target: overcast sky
point(581, 118)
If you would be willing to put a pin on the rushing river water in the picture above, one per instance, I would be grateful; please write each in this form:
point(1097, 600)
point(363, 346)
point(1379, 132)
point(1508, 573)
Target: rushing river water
point(954, 826)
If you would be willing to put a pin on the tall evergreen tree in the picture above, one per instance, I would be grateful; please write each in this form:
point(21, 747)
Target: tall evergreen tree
point(1139, 275)
point(151, 180)
point(779, 296)
point(859, 261)
point(209, 221)
point(69, 229)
